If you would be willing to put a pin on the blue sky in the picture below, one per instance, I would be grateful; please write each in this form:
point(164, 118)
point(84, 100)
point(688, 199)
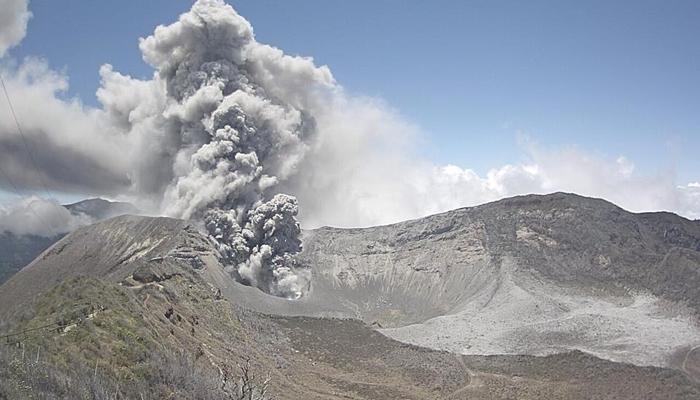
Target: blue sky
point(610, 77)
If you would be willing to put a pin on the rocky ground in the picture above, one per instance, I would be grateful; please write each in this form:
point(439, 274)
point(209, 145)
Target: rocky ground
point(139, 307)
point(532, 275)
point(175, 337)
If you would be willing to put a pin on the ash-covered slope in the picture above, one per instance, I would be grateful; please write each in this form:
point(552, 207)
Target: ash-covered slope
point(110, 250)
point(126, 308)
point(564, 238)
point(164, 320)
point(527, 275)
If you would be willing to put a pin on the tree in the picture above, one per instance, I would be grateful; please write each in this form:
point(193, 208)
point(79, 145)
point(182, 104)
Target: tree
point(246, 386)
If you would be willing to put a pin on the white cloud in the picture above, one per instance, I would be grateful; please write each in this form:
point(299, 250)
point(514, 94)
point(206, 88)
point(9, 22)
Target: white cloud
point(35, 216)
point(73, 148)
point(573, 170)
point(690, 200)
point(378, 189)
point(14, 16)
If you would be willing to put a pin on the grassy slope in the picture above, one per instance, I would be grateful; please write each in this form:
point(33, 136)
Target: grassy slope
point(176, 339)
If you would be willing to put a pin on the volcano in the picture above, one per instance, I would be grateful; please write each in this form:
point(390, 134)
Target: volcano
point(555, 296)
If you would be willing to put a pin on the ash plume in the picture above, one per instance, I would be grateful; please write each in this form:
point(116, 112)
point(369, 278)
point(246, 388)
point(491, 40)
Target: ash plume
point(230, 138)
point(229, 132)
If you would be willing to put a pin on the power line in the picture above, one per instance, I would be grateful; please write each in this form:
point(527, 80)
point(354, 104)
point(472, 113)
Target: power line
point(25, 142)
point(17, 192)
point(7, 176)
point(58, 322)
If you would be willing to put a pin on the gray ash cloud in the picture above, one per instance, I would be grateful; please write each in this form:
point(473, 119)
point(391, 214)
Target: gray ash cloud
point(231, 139)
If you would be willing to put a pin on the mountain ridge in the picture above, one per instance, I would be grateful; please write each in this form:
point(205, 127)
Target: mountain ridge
point(16, 251)
point(443, 282)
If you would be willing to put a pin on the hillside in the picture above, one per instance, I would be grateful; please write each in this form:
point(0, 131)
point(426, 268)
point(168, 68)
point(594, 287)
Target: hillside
point(132, 295)
point(527, 275)
point(16, 251)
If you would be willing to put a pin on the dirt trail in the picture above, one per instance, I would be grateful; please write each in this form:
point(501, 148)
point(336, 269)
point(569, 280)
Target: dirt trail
point(472, 379)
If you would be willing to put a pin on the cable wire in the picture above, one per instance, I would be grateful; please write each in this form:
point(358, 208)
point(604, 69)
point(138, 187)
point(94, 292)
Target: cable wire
point(25, 142)
point(7, 176)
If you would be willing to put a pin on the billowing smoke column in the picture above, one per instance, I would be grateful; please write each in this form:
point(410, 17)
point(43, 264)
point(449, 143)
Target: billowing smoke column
point(233, 138)
point(163, 143)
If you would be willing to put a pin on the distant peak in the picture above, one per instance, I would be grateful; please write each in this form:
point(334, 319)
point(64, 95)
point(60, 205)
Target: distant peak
point(99, 209)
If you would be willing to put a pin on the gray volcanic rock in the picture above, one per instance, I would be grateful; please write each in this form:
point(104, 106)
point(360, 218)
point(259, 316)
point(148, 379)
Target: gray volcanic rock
point(564, 238)
point(165, 331)
point(110, 250)
point(527, 275)
point(532, 275)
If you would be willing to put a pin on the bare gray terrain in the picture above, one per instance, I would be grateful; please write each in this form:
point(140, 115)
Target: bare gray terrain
point(529, 275)
point(554, 296)
point(16, 251)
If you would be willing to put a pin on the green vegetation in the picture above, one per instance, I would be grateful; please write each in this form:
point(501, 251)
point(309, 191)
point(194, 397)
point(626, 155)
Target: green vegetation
point(89, 339)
